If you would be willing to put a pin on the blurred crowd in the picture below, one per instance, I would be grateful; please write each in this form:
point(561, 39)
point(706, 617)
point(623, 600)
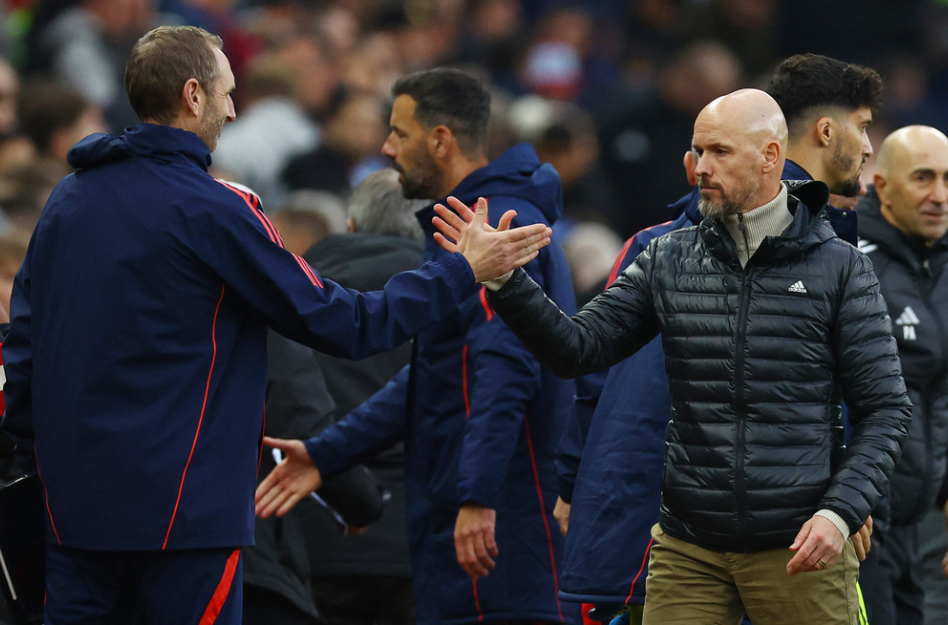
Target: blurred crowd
point(605, 90)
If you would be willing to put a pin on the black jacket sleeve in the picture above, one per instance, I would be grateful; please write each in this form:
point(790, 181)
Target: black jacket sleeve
point(610, 328)
point(879, 409)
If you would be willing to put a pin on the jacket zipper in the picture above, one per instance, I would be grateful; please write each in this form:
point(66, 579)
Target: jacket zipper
point(743, 228)
point(740, 404)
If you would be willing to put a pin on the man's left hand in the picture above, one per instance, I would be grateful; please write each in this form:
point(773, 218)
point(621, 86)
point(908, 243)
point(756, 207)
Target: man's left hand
point(818, 545)
point(474, 539)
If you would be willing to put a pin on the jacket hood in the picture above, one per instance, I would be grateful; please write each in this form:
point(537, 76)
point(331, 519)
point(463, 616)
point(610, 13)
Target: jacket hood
point(873, 228)
point(141, 140)
point(518, 173)
point(807, 201)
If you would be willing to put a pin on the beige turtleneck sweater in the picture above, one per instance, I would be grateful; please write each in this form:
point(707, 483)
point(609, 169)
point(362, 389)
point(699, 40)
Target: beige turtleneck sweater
point(749, 229)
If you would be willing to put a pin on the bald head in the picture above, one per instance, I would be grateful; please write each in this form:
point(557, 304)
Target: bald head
point(906, 144)
point(740, 142)
point(750, 112)
point(912, 182)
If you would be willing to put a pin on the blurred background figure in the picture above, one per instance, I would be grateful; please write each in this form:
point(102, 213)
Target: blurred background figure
point(85, 44)
point(349, 151)
point(271, 129)
point(366, 579)
point(54, 117)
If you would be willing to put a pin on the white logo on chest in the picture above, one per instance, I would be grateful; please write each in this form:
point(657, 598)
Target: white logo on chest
point(908, 320)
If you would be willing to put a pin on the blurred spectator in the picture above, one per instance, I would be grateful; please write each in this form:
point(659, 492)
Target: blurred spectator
point(366, 579)
point(374, 65)
point(591, 250)
point(569, 143)
point(12, 253)
point(23, 193)
point(86, 46)
point(642, 146)
point(747, 27)
point(492, 39)
point(349, 150)
point(317, 72)
point(255, 148)
point(55, 117)
point(301, 228)
point(328, 205)
point(9, 92)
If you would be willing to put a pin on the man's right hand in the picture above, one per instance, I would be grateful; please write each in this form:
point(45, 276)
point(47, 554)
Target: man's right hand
point(291, 480)
point(490, 252)
point(561, 514)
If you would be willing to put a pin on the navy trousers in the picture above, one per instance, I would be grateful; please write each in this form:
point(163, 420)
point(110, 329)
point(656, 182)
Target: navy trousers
point(181, 587)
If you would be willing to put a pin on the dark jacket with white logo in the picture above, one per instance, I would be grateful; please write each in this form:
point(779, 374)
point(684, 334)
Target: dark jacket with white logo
point(758, 359)
point(915, 287)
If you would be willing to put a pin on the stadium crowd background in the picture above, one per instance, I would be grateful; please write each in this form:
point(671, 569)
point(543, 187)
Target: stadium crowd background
point(606, 91)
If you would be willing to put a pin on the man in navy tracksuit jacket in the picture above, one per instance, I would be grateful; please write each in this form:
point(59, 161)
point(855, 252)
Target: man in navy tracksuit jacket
point(136, 357)
point(479, 417)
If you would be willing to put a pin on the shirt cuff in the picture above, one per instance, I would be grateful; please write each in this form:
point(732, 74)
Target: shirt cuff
point(837, 521)
point(496, 283)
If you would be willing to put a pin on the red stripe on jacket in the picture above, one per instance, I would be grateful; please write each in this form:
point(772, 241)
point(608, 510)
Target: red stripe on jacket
point(487, 309)
point(625, 249)
point(46, 497)
point(253, 203)
point(207, 390)
point(546, 521)
point(641, 568)
point(223, 590)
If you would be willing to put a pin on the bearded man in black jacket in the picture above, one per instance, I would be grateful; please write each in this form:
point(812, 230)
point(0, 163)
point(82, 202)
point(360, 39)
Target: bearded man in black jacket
point(902, 226)
point(768, 321)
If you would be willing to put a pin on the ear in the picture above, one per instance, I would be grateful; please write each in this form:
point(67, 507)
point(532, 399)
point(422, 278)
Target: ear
point(192, 96)
point(689, 163)
point(825, 129)
point(771, 156)
point(882, 189)
point(441, 141)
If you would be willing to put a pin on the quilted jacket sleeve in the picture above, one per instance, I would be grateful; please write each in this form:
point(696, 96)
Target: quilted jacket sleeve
point(610, 328)
point(873, 388)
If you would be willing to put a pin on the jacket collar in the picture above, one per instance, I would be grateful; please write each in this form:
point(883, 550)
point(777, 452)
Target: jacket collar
point(910, 251)
point(810, 226)
point(167, 142)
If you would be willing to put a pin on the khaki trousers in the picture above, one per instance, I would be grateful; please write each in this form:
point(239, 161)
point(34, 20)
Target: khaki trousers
point(689, 585)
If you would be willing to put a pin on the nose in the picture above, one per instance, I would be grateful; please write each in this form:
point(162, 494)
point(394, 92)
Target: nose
point(940, 192)
point(866, 145)
point(388, 148)
point(231, 111)
point(702, 166)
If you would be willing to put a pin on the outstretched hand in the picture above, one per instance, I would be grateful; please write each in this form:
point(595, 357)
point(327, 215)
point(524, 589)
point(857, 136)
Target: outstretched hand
point(291, 480)
point(491, 252)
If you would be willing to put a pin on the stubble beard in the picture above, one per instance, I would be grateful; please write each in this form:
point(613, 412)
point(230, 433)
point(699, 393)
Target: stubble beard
point(422, 183)
point(211, 125)
point(845, 163)
point(729, 205)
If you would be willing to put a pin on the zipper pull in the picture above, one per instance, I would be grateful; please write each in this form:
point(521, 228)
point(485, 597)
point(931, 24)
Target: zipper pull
point(740, 222)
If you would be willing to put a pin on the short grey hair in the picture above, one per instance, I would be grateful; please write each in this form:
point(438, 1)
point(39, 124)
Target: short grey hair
point(378, 206)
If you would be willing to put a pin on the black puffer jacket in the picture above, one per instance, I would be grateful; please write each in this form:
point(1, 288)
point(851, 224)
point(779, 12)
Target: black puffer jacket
point(758, 359)
point(915, 287)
